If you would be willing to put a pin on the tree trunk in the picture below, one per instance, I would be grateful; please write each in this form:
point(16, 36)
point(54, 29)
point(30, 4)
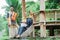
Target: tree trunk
point(23, 10)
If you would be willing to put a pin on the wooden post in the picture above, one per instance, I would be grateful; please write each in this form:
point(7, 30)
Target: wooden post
point(33, 32)
point(32, 16)
point(23, 10)
point(55, 16)
point(42, 19)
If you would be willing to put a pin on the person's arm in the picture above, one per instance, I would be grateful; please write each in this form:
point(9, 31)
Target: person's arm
point(7, 16)
point(8, 19)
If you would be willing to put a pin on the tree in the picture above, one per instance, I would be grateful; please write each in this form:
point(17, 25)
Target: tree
point(17, 8)
point(33, 6)
point(52, 4)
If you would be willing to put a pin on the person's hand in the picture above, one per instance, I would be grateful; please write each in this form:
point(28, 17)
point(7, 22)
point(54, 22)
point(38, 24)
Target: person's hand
point(9, 25)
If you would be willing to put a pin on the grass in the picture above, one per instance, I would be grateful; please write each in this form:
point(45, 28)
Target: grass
point(30, 38)
point(5, 37)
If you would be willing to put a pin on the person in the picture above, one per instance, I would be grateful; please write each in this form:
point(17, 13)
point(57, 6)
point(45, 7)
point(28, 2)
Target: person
point(26, 23)
point(11, 18)
point(22, 28)
point(29, 20)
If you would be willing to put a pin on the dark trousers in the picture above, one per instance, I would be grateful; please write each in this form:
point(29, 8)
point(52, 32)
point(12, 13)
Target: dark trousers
point(21, 30)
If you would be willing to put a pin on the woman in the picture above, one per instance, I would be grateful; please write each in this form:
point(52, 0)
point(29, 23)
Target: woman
point(29, 20)
point(22, 28)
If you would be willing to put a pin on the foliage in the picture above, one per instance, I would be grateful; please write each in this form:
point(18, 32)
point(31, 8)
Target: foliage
point(31, 5)
point(17, 8)
point(52, 4)
point(3, 23)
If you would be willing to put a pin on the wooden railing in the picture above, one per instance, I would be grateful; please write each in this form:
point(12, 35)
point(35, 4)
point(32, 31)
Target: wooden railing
point(51, 15)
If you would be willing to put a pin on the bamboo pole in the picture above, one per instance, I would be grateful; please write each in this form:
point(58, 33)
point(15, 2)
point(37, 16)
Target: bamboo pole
point(23, 10)
point(42, 19)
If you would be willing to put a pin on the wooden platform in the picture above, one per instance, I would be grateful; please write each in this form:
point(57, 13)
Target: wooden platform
point(50, 25)
point(53, 23)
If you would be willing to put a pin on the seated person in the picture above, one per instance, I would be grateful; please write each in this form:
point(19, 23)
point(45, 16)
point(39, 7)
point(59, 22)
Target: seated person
point(29, 20)
point(22, 28)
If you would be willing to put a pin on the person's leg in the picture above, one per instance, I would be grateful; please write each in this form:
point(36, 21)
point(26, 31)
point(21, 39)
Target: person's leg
point(13, 23)
point(20, 31)
point(11, 32)
point(15, 32)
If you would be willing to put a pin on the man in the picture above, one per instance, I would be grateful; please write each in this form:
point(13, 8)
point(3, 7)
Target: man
point(11, 17)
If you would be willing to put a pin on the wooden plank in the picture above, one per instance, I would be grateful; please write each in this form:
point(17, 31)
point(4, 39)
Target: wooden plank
point(53, 24)
point(33, 31)
point(27, 32)
point(37, 25)
point(47, 21)
point(47, 24)
point(52, 21)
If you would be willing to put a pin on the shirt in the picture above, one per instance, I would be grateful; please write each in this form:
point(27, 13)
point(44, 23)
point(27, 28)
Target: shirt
point(9, 14)
point(23, 24)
